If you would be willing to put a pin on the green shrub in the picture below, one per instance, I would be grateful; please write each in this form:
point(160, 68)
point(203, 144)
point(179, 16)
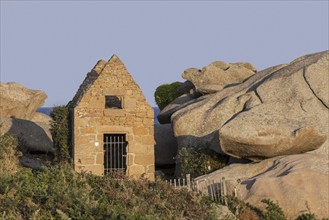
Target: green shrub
point(166, 93)
point(243, 210)
point(309, 215)
point(60, 193)
point(8, 154)
point(306, 216)
point(60, 133)
point(274, 211)
point(200, 160)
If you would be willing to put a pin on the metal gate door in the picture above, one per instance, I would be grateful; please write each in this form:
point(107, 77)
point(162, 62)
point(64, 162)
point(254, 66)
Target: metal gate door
point(115, 154)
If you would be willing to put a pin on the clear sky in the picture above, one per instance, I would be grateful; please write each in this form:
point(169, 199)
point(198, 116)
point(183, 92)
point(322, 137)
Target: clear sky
point(51, 45)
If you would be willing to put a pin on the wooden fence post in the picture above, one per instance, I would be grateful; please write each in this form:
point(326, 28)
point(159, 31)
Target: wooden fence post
point(211, 191)
point(188, 181)
point(214, 190)
point(221, 191)
point(224, 190)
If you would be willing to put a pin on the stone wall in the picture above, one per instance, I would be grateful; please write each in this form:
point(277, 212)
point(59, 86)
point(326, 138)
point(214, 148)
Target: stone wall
point(92, 120)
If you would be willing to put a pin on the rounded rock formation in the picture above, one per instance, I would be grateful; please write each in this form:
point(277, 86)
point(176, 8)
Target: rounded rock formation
point(20, 102)
point(296, 182)
point(165, 147)
point(34, 136)
point(281, 110)
point(218, 75)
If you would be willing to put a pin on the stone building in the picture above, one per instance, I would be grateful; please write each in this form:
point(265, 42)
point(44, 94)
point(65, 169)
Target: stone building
point(113, 125)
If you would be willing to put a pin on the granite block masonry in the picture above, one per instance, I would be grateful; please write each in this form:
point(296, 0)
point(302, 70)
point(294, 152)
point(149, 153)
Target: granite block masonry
point(113, 124)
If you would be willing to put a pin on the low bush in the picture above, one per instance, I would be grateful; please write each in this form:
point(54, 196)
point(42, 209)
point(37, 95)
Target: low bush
point(274, 211)
point(166, 93)
point(8, 154)
point(307, 216)
point(200, 160)
point(60, 193)
point(243, 210)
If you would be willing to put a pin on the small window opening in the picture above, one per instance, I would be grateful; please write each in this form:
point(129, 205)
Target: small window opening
point(115, 154)
point(113, 102)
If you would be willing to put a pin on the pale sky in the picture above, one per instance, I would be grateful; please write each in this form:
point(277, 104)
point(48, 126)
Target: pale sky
point(52, 45)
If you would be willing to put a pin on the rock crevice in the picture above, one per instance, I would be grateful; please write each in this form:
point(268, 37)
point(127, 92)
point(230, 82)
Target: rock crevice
point(314, 93)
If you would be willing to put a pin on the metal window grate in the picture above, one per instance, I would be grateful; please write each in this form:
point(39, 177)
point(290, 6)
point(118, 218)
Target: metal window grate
point(115, 154)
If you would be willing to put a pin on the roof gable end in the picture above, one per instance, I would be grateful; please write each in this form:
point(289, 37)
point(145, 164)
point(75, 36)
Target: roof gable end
point(87, 83)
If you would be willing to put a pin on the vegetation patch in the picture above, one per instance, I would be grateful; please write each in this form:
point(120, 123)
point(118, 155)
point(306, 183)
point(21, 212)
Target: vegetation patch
point(8, 154)
point(60, 193)
point(166, 93)
point(61, 133)
point(274, 211)
point(200, 160)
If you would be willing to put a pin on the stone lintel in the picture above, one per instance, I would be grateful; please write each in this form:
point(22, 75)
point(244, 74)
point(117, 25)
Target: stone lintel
point(114, 112)
point(114, 92)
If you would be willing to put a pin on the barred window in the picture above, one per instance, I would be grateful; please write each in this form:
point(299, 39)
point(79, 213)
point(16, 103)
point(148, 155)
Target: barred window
point(115, 154)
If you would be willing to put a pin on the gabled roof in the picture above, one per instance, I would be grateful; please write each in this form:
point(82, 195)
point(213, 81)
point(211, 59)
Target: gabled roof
point(89, 80)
